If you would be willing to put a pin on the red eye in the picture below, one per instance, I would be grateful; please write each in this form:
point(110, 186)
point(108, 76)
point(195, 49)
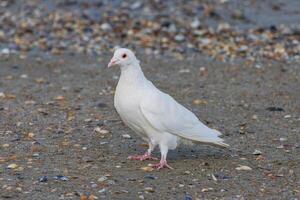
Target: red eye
point(124, 55)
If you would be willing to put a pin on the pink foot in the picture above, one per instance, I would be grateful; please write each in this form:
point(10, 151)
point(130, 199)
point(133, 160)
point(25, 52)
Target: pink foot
point(146, 156)
point(162, 164)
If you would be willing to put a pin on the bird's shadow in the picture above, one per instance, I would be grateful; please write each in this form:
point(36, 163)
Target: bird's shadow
point(183, 151)
point(197, 152)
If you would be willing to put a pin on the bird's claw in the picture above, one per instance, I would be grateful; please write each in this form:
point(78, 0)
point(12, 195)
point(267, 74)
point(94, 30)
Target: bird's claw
point(146, 156)
point(161, 165)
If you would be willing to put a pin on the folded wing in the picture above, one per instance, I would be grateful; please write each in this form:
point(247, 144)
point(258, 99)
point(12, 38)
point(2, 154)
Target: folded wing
point(167, 115)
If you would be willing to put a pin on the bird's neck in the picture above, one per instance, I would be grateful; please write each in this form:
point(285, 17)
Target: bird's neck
point(132, 74)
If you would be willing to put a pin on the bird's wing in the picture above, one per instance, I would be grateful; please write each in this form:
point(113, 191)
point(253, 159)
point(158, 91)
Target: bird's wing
point(166, 115)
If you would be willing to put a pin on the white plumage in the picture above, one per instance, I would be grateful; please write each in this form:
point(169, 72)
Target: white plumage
point(153, 114)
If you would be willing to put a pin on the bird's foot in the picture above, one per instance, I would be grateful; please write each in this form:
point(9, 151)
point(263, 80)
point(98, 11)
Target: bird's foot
point(146, 156)
point(162, 164)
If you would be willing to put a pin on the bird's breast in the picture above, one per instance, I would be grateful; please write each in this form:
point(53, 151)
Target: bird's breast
point(127, 106)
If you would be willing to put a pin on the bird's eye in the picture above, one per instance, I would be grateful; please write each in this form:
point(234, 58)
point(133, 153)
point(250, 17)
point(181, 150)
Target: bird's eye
point(124, 55)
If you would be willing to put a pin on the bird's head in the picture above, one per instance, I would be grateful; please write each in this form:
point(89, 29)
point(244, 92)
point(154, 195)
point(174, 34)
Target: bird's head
point(122, 57)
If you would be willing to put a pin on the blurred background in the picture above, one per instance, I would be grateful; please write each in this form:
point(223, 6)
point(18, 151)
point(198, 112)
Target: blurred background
point(222, 29)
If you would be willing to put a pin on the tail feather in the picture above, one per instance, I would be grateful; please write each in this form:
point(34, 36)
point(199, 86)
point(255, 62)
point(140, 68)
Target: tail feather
point(211, 137)
point(222, 144)
point(220, 141)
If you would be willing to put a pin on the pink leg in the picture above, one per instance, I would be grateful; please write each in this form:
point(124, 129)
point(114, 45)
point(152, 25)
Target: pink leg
point(146, 156)
point(162, 164)
point(163, 161)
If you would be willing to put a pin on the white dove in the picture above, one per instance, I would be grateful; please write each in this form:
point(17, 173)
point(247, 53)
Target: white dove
point(153, 114)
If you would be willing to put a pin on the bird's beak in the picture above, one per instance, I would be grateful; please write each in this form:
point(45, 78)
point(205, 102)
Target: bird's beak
point(112, 62)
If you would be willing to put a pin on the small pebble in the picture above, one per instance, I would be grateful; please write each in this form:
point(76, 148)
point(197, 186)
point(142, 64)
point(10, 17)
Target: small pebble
point(12, 166)
point(149, 189)
point(282, 139)
point(150, 177)
point(147, 169)
point(43, 179)
point(101, 130)
point(60, 178)
point(5, 145)
point(102, 179)
point(24, 76)
point(103, 190)
point(243, 168)
point(257, 152)
point(207, 189)
point(186, 197)
point(127, 136)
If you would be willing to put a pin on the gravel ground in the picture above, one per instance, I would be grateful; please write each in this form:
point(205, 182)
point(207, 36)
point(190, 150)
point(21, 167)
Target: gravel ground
point(236, 65)
point(57, 118)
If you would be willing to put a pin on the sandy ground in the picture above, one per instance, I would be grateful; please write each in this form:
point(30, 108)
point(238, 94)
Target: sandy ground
point(50, 108)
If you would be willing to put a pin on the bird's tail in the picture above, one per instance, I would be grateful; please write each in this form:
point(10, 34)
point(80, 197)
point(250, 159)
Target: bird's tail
point(219, 141)
point(211, 137)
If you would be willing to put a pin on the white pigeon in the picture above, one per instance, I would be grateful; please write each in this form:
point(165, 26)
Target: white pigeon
point(153, 114)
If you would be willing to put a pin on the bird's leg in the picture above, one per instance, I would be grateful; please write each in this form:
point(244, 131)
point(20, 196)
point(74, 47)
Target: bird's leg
point(146, 156)
point(163, 161)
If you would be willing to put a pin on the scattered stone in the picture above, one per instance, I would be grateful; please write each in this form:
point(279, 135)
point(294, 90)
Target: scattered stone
point(102, 143)
point(88, 120)
point(182, 71)
point(103, 190)
point(102, 179)
point(43, 179)
point(200, 102)
point(40, 80)
point(187, 172)
point(149, 189)
point(101, 130)
point(243, 168)
point(90, 25)
point(59, 98)
point(12, 166)
point(60, 178)
point(214, 177)
point(282, 139)
point(24, 76)
point(187, 197)
point(5, 51)
point(257, 152)
point(30, 135)
point(106, 26)
point(92, 197)
point(179, 38)
point(150, 177)
point(147, 169)
point(207, 189)
point(136, 5)
point(127, 136)
point(195, 24)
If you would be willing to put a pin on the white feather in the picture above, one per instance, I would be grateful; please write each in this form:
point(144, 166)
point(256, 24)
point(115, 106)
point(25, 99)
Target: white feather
point(153, 114)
